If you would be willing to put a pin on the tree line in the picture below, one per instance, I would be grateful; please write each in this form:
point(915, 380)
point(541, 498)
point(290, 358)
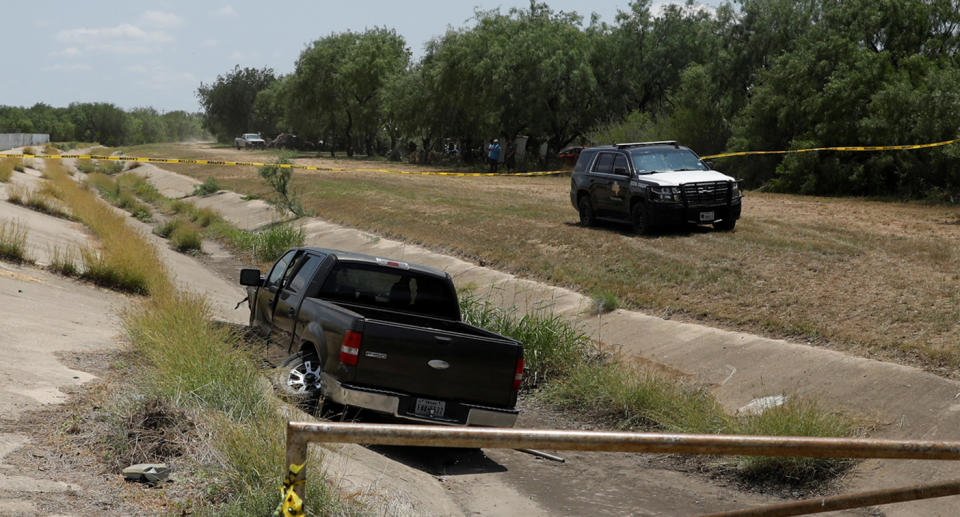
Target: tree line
point(102, 122)
point(750, 75)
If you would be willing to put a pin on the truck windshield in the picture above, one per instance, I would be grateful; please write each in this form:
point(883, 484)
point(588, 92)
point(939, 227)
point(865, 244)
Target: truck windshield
point(647, 161)
point(249, 136)
point(391, 288)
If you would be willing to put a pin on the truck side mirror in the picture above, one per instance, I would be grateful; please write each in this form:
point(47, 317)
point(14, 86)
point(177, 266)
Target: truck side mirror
point(250, 277)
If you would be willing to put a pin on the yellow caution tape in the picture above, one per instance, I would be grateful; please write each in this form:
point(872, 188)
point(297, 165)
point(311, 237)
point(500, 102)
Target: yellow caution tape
point(292, 504)
point(263, 164)
point(190, 161)
point(854, 148)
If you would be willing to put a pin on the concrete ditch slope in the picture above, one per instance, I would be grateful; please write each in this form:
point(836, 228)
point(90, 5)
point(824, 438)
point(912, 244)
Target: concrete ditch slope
point(907, 402)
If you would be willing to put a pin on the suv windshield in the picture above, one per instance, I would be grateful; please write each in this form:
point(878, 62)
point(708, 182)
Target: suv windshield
point(658, 160)
point(251, 136)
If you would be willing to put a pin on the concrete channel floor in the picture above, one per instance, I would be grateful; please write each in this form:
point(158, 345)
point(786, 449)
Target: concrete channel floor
point(907, 403)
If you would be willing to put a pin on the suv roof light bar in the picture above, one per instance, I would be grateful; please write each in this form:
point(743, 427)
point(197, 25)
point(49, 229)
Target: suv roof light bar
point(641, 144)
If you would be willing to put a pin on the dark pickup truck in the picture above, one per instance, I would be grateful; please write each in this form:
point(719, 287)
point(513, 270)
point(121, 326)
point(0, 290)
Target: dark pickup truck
point(383, 335)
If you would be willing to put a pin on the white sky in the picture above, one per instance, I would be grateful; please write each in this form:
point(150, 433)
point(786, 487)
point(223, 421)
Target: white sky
point(133, 53)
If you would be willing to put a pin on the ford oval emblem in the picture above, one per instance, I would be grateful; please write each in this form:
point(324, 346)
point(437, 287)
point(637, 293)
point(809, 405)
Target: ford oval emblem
point(438, 364)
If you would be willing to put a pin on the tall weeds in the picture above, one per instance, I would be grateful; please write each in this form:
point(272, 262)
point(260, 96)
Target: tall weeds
point(13, 241)
point(126, 259)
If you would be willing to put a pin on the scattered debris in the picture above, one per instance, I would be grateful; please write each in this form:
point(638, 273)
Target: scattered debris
point(147, 472)
point(758, 406)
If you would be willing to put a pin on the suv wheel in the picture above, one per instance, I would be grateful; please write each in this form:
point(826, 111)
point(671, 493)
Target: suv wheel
point(638, 214)
point(725, 226)
point(586, 211)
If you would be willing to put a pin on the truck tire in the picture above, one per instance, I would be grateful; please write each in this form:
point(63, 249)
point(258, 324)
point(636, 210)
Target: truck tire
point(585, 207)
point(298, 378)
point(726, 225)
point(238, 147)
point(638, 216)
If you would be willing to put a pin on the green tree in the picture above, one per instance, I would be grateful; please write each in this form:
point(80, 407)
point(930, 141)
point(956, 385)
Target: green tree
point(228, 101)
point(335, 89)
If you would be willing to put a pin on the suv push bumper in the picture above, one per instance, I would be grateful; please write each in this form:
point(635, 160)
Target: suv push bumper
point(400, 405)
point(673, 213)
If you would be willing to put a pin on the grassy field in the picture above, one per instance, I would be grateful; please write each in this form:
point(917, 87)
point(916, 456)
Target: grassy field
point(879, 279)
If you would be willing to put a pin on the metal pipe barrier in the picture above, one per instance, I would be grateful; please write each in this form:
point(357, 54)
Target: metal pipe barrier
point(299, 434)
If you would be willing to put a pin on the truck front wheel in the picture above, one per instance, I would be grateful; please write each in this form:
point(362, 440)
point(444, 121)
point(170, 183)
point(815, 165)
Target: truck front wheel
point(641, 223)
point(725, 226)
point(299, 378)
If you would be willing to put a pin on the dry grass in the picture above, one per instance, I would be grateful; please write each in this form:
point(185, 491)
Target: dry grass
point(45, 199)
point(126, 260)
point(13, 241)
point(6, 169)
point(876, 278)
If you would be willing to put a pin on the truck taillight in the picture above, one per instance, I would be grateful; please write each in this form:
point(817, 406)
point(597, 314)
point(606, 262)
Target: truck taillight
point(518, 376)
point(350, 348)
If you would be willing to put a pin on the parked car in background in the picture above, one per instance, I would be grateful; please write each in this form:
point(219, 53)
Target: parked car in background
point(652, 184)
point(291, 141)
point(570, 154)
point(250, 140)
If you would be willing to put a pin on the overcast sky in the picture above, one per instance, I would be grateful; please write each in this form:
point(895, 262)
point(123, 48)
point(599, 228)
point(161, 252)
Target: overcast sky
point(156, 53)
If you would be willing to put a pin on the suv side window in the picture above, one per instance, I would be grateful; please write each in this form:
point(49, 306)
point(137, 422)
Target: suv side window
point(604, 163)
point(620, 165)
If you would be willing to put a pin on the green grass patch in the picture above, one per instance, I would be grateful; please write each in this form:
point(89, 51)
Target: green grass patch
point(86, 166)
point(13, 241)
point(210, 186)
point(186, 237)
point(18, 165)
point(573, 374)
point(265, 245)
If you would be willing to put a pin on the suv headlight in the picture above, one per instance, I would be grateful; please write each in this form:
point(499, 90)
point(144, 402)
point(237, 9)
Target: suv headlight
point(666, 193)
point(735, 190)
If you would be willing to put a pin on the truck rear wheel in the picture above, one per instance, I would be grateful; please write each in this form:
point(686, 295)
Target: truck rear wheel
point(586, 211)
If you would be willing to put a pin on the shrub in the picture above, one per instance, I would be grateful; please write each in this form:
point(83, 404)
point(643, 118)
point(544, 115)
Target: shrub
point(13, 241)
point(605, 301)
point(204, 216)
point(797, 417)
point(265, 245)
point(207, 187)
point(278, 178)
point(185, 237)
point(18, 165)
point(50, 149)
point(29, 150)
point(166, 229)
point(86, 167)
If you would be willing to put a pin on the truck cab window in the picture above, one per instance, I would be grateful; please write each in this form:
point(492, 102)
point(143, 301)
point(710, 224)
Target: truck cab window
point(280, 268)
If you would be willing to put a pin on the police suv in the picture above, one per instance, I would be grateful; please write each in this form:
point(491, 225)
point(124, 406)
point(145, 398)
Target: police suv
point(652, 184)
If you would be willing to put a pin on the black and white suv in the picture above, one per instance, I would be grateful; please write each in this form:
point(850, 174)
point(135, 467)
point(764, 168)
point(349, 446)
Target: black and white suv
point(652, 184)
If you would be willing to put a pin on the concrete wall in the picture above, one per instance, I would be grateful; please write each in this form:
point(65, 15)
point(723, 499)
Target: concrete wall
point(11, 140)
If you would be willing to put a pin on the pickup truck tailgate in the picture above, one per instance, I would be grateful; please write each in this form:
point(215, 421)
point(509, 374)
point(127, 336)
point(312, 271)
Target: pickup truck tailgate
point(439, 364)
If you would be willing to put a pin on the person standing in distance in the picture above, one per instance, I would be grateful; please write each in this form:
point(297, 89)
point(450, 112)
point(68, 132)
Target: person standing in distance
point(493, 155)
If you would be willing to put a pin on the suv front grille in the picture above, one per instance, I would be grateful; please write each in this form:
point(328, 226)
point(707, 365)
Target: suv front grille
point(706, 193)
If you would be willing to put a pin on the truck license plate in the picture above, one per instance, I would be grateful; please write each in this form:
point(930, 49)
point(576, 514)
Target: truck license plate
point(429, 408)
point(706, 217)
